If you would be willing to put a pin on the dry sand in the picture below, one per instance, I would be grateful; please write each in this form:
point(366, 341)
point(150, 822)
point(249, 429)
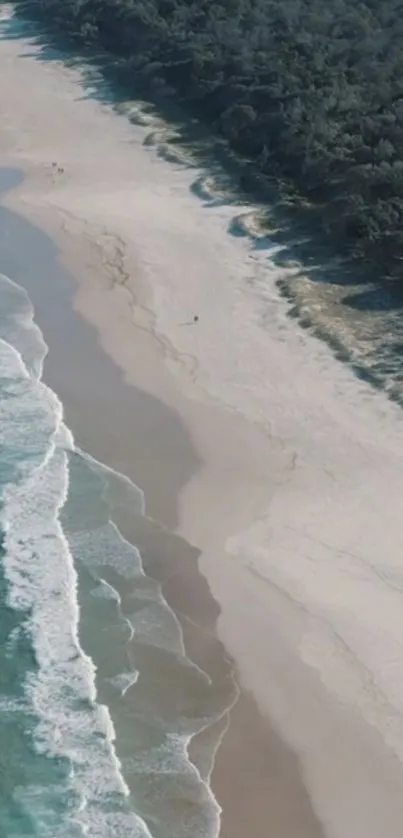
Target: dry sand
point(291, 478)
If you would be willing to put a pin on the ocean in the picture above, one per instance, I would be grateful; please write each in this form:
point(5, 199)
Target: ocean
point(99, 700)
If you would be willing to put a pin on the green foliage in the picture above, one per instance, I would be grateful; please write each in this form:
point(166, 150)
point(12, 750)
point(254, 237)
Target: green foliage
point(309, 89)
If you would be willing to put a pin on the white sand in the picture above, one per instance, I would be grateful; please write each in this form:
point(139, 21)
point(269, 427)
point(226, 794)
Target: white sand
point(298, 504)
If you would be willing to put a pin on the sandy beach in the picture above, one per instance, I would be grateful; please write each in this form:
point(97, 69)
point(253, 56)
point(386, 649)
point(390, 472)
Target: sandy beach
point(272, 476)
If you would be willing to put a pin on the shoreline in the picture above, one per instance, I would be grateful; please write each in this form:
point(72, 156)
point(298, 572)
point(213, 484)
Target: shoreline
point(279, 466)
point(249, 749)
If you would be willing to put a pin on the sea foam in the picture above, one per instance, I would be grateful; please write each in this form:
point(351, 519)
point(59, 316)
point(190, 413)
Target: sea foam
point(69, 726)
point(67, 723)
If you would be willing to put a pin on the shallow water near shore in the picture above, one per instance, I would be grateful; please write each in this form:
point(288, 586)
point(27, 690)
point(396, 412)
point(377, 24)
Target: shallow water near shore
point(99, 698)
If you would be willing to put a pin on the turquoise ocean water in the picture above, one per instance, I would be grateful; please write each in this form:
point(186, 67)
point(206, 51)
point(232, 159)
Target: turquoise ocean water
point(98, 698)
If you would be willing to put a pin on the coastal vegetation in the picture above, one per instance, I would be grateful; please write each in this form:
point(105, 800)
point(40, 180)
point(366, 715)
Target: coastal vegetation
point(304, 90)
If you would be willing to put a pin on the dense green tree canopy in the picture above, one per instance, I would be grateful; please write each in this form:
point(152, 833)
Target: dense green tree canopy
point(308, 89)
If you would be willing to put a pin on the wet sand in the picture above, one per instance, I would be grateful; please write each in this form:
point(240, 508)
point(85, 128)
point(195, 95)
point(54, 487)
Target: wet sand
point(256, 778)
point(258, 452)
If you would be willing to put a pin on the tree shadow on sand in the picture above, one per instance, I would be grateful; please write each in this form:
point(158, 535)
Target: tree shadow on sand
point(375, 299)
point(266, 211)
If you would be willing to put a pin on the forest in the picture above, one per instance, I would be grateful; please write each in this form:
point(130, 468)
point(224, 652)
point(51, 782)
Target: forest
point(304, 90)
